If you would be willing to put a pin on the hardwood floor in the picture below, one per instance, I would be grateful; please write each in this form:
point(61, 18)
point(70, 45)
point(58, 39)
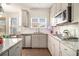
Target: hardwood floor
point(35, 52)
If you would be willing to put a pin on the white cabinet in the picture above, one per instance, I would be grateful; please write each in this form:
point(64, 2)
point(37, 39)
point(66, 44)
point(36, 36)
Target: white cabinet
point(56, 44)
point(42, 41)
point(53, 10)
point(39, 41)
point(51, 45)
point(4, 54)
point(16, 50)
point(25, 18)
point(52, 15)
point(35, 41)
point(58, 7)
point(27, 41)
point(57, 48)
point(66, 51)
point(75, 12)
point(64, 6)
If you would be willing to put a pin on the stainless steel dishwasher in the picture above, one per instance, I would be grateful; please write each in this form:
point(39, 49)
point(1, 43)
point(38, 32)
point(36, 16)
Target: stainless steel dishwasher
point(27, 41)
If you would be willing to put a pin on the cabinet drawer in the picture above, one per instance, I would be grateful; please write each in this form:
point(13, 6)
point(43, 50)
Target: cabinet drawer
point(66, 51)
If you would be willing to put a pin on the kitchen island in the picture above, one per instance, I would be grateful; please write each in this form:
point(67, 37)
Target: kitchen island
point(11, 47)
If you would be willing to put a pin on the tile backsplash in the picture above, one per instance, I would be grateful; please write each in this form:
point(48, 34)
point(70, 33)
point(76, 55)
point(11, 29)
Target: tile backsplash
point(73, 29)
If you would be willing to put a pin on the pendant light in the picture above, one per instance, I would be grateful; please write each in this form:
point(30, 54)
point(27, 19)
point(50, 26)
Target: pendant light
point(1, 9)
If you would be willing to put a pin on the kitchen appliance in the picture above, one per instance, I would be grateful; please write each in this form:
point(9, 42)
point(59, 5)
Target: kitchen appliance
point(65, 15)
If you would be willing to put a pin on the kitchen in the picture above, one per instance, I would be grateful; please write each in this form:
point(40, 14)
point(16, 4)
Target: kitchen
point(39, 29)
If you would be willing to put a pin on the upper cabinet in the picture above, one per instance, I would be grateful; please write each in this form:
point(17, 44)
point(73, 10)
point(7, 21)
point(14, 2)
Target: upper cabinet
point(52, 14)
point(61, 13)
point(53, 10)
point(64, 6)
point(75, 12)
point(58, 7)
point(25, 18)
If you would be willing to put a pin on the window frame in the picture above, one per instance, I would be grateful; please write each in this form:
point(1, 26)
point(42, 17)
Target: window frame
point(38, 22)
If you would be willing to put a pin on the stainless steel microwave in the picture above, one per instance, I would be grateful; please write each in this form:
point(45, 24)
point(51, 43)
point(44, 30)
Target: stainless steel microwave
point(64, 16)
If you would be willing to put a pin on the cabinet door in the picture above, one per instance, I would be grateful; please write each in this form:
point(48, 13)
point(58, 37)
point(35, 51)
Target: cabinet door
point(52, 15)
point(35, 41)
point(25, 18)
point(43, 41)
point(66, 51)
point(27, 41)
point(23, 41)
point(58, 7)
point(64, 6)
point(12, 51)
point(51, 45)
point(53, 10)
point(75, 12)
point(4, 54)
point(56, 47)
point(16, 50)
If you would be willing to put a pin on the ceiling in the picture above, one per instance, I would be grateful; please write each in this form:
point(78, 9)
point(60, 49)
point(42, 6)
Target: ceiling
point(34, 5)
point(14, 7)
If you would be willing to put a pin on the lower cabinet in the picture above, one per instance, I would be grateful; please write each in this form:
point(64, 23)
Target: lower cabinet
point(66, 51)
point(57, 48)
point(53, 46)
point(39, 41)
point(16, 50)
point(5, 53)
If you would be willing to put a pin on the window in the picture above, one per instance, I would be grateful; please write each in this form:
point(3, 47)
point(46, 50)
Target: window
point(38, 22)
point(13, 26)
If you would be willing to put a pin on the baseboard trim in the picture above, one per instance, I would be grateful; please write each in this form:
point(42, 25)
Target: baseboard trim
point(27, 47)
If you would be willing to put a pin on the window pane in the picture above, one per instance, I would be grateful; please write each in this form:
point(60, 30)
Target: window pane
point(35, 20)
point(39, 22)
point(42, 20)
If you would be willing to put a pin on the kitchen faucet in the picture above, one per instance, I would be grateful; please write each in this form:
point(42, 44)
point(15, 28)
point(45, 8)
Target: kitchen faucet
point(66, 33)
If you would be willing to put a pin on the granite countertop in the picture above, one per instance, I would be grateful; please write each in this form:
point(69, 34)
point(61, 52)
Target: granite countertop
point(8, 43)
point(34, 33)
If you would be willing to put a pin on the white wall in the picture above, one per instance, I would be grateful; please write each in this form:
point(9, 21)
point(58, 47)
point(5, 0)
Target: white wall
point(40, 13)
